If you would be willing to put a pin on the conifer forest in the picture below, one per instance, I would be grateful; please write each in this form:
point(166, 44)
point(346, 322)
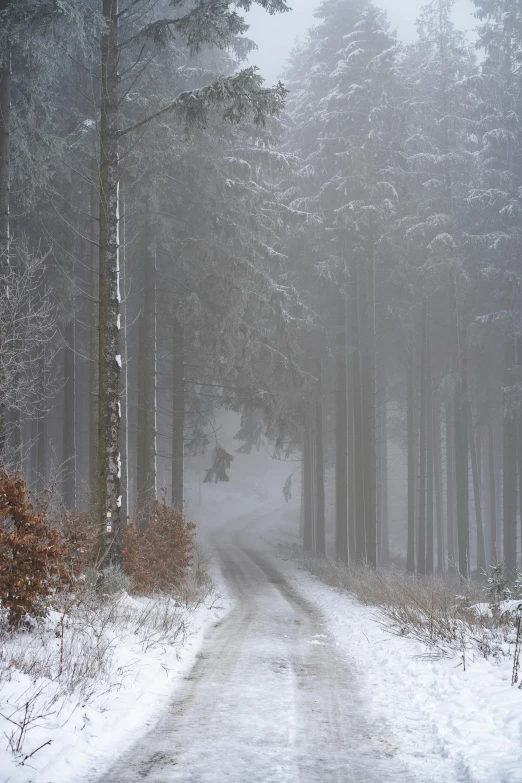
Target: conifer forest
point(198, 266)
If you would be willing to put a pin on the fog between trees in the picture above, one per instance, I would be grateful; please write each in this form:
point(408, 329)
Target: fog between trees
point(336, 259)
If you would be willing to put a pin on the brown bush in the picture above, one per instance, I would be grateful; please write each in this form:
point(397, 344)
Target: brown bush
point(31, 552)
point(157, 558)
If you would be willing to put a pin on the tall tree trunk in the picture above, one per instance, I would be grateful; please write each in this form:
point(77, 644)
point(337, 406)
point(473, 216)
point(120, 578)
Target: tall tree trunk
point(69, 418)
point(146, 482)
point(5, 147)
point(460, 436)
point(421, 541)
point(94, 338)
point(367, 313)
point(429, 451)
point(410, 552)
point(359, 476)
point(308, 478)
point(492, 490)
point(481, 545)
point(41, 449)
point(178, 413)
point(383, 459)
point(351, 454)
point(509, 464)
point(450, 489)
point(320, 543)
point(341, 433)
point(124, 381)
point(5, 162)
point(438, 486)
point(109, 464)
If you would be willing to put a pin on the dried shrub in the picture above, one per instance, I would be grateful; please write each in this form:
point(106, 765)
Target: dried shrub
point(31, 552)
point(158, 557)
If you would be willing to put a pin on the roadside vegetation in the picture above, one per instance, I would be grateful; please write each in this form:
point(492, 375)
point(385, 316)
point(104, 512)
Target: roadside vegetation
point(74, 630)
point(462, 619)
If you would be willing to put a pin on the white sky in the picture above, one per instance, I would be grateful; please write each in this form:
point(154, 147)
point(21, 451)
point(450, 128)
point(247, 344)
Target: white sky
point(275, 35)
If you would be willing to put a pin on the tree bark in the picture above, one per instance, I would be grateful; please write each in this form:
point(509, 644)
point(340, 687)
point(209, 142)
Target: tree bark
point(341, 433)
point(509, 464)
point(5, 148)
point(410, 552)
point(492, 490)
point(178, 413)
point(481, 546)
point(370, 446)
point(5, 172)
point(350, 443)
point(383, 459)
point(421, 541)
point(438, 486)
point(146, 477)
point(124, 379)
point(450, 489)
point(41, 449)
point(359, 474)
point(109, 470)
point(460, 436)
point(69, 418)
point(307, 471)
point(429, 451)
point(94, 338)
point(320, 543)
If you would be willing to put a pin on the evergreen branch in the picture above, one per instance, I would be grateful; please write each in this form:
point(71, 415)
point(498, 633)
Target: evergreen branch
point(241, 95)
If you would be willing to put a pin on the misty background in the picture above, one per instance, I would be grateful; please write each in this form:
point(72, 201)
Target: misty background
point(276, 35)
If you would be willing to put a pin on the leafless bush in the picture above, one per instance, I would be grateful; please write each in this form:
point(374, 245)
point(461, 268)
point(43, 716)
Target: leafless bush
point(448, 617)
point(27, 325)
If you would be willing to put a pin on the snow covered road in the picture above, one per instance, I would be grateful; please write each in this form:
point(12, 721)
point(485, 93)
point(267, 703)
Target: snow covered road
point(271, 698)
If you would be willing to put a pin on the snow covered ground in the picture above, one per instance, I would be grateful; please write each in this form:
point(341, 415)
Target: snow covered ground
point(445, 723)
point(291, 682)
point(137, 682)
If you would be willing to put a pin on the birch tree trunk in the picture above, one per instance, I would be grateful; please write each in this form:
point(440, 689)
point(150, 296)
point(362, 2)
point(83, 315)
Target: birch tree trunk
point(178, 413)
point(341, 433)
point(109, 359)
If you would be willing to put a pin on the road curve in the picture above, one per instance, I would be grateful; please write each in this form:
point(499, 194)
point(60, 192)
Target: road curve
point(270, 698)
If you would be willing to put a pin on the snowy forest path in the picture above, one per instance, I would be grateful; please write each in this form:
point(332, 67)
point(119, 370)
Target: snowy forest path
point(270, 699)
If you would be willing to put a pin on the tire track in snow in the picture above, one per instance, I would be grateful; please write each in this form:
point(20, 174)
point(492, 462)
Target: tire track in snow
point(269, 700)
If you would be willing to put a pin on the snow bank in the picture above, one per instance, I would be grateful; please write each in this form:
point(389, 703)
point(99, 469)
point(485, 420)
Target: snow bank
point(465, 723)
point(80, 733)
